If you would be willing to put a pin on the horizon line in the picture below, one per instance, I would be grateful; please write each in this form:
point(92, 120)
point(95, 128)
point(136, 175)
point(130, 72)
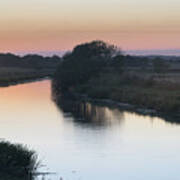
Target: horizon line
point(140, 52)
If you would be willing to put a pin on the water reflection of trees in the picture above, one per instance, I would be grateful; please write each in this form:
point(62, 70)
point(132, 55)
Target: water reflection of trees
point(87, 113)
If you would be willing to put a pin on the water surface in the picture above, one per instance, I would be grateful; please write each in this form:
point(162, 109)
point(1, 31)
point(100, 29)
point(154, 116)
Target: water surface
point(89, 142)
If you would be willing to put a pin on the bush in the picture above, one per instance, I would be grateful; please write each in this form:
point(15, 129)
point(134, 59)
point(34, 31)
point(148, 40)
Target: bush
point(85, 61)
point(16, 162)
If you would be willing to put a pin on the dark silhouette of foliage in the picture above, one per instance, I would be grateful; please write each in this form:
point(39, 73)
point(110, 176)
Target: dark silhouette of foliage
point(15, 69)
point(160, 66)
point(95, 49)
point(97, 70)
point(16, 162)
point(85, 61)
point(29, 61)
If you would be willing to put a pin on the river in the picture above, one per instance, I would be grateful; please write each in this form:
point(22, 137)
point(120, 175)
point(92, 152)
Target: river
point(96, 143)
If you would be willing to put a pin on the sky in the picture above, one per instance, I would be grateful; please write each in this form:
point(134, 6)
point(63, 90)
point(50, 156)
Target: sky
point(53, 25)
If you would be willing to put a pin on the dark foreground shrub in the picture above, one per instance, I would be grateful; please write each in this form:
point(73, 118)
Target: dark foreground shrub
point(16, 162)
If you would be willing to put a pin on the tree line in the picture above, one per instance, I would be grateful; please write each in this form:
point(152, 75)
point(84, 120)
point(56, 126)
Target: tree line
point(90, 59)
point(28, 61)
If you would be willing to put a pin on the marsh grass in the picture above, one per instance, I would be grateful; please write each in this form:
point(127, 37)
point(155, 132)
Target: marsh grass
point(144, 91)
point(17, 162)
point(14, 75)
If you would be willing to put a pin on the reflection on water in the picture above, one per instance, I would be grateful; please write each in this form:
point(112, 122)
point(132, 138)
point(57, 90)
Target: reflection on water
point(81, 141)
point(88, 114)
point(85, 112)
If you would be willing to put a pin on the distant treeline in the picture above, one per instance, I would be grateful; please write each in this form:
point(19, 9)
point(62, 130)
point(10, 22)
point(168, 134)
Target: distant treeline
point(15, 69)
point(29, 61)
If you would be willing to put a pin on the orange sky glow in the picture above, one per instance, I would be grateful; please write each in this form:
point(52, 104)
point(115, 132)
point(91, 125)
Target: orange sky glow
point(40, 25)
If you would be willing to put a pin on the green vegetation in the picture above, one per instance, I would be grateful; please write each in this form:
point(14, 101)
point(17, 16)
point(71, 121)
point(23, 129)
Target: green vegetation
point(85, 61)
point(131, 89)
point(10, 76)
point(16, 162)
point(101, 71)
point(160, 66)
point(14, 69)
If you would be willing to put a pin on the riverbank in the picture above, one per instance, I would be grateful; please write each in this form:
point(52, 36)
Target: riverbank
point(15, 69)
point(24, 81)
point(159, 96)
point(138, 92)
point(99, 71)
point(75, 98)
point(13, 77)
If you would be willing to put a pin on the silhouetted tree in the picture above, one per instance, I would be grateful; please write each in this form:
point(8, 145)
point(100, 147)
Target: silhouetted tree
point(85, 61)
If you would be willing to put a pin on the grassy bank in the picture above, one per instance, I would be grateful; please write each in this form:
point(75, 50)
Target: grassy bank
point(130, 88)
point(16, 162)
point(15, 69)
point(100, 71)
point(15, 75)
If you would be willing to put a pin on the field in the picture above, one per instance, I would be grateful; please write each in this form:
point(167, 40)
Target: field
point(160, 92)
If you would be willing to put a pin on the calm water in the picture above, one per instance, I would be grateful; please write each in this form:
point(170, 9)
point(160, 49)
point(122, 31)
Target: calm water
point(91, 142)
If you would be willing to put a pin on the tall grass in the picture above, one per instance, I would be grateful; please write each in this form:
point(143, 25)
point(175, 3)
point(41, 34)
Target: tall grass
point(15, 75)
point(17, 162)
point(130, 88)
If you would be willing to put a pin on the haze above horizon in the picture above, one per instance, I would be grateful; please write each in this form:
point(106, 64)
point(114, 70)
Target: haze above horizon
point(52, 25)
